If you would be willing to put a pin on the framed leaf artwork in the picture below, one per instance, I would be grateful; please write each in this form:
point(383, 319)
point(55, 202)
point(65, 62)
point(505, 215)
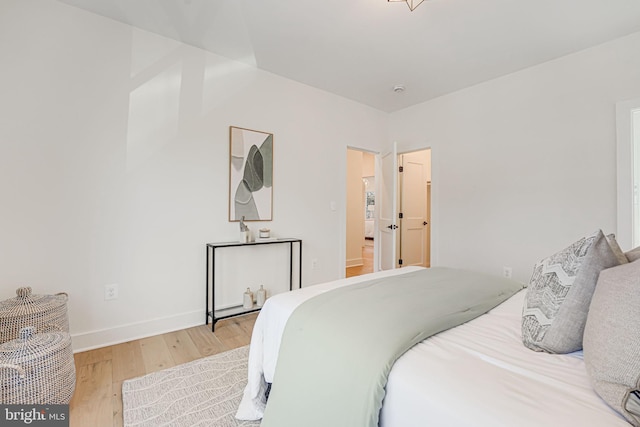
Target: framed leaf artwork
point(250, 175)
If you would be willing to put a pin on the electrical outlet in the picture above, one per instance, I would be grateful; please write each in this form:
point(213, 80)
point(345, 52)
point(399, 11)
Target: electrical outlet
point(507, 272)
point(110, 291)
point(314, 263)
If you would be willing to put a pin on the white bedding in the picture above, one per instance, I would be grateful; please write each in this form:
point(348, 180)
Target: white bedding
point(478, 374)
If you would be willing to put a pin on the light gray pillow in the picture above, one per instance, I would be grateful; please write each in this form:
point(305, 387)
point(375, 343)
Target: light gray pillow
point(633, 254)
point(559, 293)
point(612, 340)
point(615, 247)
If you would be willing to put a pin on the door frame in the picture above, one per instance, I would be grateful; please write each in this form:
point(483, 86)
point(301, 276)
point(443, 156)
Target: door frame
point(384, 222)
point(628, 222)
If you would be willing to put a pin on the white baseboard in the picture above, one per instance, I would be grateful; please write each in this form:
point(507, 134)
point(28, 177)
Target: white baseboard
point(355, 262)
point(104, 337)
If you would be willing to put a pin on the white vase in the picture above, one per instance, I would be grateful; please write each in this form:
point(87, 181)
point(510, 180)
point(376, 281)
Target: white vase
point(261, 296)
point(247, 300)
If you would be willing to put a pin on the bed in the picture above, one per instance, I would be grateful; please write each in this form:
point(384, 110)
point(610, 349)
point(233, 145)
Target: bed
point(476, 374)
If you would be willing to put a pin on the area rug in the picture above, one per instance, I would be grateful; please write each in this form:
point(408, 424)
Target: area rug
point(204, 392)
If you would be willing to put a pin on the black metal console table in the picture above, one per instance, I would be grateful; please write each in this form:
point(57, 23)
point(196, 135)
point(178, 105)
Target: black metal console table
point(215, 315)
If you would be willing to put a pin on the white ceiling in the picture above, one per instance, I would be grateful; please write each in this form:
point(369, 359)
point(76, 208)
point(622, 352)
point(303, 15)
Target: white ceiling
point(361, 49)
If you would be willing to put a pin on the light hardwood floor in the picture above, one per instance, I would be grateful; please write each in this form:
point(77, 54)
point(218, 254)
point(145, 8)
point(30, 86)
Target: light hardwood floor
point(367, 259)
point(97, 401)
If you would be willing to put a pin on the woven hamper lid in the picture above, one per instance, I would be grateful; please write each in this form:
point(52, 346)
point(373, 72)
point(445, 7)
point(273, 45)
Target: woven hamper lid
point(30, 347)
point(26, 303)
point(37, 368)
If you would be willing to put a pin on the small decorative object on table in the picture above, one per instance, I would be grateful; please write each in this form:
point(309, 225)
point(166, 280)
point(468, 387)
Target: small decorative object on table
point(247, 300)
point(245, 233)
point(265, 233)
point(261, 296)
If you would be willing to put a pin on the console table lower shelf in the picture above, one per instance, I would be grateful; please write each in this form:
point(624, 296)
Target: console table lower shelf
point(228, 312)
point(214, 315)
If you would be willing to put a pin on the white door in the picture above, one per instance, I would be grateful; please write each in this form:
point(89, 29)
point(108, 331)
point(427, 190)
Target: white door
point(386, 200)
point(414, 218)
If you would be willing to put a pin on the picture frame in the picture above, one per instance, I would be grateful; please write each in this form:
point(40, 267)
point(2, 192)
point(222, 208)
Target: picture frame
point(250, 175)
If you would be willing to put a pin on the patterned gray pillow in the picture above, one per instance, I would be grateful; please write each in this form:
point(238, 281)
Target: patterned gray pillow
point(559, 293)
point(612, 340)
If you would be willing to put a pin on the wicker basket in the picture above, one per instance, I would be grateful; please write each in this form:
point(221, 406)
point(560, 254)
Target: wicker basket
point(37, 369)
point(47, 313)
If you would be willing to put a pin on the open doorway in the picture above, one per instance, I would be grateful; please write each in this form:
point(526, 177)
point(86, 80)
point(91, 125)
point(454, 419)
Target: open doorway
point(409, 225)
point(360, 221)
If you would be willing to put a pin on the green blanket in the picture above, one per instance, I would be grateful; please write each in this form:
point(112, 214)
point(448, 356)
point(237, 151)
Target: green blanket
point(338, 347)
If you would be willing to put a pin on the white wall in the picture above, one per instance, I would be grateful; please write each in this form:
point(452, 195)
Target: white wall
point(114, 167)
point(525, 164)
point(368, 164)
point(114, 164)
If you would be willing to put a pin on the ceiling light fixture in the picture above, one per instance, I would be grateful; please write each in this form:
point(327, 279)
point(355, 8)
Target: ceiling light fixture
point(411, 3)
point(398, 88)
